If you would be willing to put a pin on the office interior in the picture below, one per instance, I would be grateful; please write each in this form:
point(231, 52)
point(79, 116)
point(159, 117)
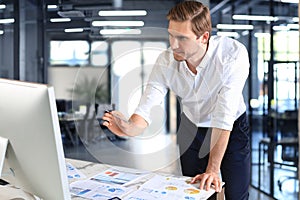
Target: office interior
point(95, 63)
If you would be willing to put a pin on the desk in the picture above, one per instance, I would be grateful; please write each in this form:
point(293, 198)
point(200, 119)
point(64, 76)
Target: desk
point(89, 169)
point(66, 124)
point(75, 127)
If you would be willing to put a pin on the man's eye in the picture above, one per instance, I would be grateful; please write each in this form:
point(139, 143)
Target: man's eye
point(181, 38)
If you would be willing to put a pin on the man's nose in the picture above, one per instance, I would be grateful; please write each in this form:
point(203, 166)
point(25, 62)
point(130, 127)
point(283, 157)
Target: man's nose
point(174, 43)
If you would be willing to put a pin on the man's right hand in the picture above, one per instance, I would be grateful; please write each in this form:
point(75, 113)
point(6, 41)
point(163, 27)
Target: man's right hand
point(117, 123)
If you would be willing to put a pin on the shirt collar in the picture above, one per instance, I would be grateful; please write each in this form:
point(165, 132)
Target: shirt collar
point(207, 56)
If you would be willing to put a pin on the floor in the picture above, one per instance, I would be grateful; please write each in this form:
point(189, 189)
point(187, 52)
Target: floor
point(159, 152)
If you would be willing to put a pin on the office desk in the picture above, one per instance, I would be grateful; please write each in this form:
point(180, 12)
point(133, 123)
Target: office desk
point(89, 169)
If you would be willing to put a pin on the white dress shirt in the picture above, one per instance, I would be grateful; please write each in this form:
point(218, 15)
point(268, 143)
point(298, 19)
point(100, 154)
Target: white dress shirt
point(212, 97)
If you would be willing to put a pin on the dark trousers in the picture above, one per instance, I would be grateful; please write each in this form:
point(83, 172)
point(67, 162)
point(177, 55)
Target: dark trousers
point(194, 145)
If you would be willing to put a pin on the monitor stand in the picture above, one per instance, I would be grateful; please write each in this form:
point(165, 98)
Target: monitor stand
point(3, 147)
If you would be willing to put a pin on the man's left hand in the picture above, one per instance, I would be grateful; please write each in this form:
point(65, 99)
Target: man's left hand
point(208, 180)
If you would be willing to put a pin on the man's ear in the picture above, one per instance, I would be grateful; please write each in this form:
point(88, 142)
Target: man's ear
point(205, 37)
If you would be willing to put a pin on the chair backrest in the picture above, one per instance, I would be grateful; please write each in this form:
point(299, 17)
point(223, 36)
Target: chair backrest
point(289, 130)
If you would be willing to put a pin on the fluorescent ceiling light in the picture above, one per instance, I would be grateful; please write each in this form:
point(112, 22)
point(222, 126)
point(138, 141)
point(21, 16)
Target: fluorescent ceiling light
point(254, 17)
point(122, 13)
point(73, 30)
point(228, 34)
point(2, 6)
point(293, 26)
point(52, 7)
point(280, 28)
point(60, 20)
point(290, 1)
point(295, 19)
point(1, 32)
point(118, 23)
point(257, 35)
point(120, 31)
point(235, 26)
point(246, 32)
point(7, 21)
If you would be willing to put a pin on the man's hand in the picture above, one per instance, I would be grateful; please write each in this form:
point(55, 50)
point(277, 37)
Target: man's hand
point(208, 180)
point(218, 145)
point(117, 123)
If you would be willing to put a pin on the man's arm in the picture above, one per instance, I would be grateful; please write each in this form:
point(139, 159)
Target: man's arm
point(219, 141)
point(119, 125)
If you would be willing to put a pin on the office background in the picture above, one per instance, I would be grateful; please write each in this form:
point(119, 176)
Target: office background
point(67, 43)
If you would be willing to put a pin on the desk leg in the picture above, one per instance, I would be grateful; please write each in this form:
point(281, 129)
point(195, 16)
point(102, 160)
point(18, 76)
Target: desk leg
point(70, 133)
point(221, 195)
point(218, 195)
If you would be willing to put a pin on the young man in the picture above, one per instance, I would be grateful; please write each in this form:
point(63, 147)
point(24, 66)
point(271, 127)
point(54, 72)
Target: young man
point(208, 74)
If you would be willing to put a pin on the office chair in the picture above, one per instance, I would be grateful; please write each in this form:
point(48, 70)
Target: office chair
point(289, 143)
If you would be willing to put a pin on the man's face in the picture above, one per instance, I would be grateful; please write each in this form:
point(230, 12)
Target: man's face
point(183, 40)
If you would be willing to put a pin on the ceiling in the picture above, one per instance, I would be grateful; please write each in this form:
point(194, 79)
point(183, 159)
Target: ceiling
point(83, 12)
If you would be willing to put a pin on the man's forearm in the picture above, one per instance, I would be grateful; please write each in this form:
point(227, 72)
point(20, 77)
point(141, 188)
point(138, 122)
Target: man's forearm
point(219, 141)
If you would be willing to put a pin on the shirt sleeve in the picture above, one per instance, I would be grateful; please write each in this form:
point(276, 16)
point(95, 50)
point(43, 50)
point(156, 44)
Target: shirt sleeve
point(154, 93)
point(230, 95)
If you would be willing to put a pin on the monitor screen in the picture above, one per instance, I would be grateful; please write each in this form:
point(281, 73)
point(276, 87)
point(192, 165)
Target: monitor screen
point(34, 159)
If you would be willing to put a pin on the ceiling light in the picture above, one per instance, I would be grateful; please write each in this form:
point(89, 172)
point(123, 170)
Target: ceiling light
point(122, 13)
point(293, 26)
point(7, 21)
point(52, 7)
point(257, 35)
point(117, 23)
point(290, 1)
point(1, 32)
point(73, 30)
point(70, 13)
point(280, 28)
point(254, 17)
point(2, 6)
point(295, 19)
point(60, 20)
point(228, 34)
point(120, 31)
point(235, 26)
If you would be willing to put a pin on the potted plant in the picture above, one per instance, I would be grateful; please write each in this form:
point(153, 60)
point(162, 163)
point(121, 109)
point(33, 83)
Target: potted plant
point(90, 93)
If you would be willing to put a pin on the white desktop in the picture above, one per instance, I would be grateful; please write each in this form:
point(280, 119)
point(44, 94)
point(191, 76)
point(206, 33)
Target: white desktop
point(33, 159)
point(31, 150)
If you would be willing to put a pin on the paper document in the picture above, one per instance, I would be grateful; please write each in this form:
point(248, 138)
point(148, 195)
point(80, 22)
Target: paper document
point(163, 187)
point(90, 189)
point(115, 176)
point(73, 172)
point(107, 184)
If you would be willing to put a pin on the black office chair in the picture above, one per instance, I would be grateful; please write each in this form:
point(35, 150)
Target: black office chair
point(67, 128)
point(289, 143)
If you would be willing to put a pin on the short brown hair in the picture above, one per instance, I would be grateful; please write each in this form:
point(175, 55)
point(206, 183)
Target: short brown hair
point(194, 11)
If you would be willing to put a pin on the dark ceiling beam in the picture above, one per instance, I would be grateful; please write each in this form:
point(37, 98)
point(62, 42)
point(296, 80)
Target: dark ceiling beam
point(61, 26)
point(219, 6)
point(241, 8)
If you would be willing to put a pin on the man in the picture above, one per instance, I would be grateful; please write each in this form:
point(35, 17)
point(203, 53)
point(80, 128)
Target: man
point(208, 74)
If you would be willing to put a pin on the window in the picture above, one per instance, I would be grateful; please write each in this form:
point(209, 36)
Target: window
point(99, 53)
point(286, 56)
point(71, 53)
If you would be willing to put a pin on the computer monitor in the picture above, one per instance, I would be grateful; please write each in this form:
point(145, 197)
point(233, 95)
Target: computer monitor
point(34, 159)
